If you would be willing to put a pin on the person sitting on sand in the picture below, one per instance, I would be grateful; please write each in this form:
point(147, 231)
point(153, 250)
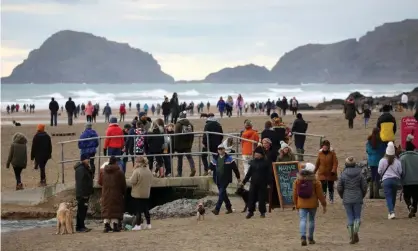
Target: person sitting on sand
point(18, 157)
point(41, 151)
point(326, 168)
point(306, 194)
point(285, 153)
point(112, 200)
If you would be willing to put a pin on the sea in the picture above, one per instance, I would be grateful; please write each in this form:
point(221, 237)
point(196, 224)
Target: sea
point(115, 94)
point(19, 225)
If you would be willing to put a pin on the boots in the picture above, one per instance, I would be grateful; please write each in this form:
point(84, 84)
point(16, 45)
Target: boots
point(303, 241)
point(376, 190)
point(19, 186)
point(351, 234)
point(371, 190)
point(192, 172)
point(116, 227)
point(356, 229)
point(107, 228)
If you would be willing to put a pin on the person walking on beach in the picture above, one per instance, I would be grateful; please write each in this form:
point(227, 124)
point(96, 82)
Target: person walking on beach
point(326, 169)
point(285, 105)
point(18, 157)
point(53, 108)
point(166, 107)
point(409, 160)
point(306, 194)
point(247, 145)
point(107, 111)
point(84, 176)
point(239, 104)
point(352, 188)
point(390, 169)
point(130, 106)
point(89, 147)
point(387, 125)
point(299, 126)
point(367, 114)
point(375, 149)
point(229, 106)
point(89, 112)
point(222, 166)
point(113, 146)
point(294, 105)
point(113, 183)
point(350, 111)
point(183, 143)
point(268, 107)
point(122, 112)
point(141, 181)
point(211, 141)
point(41, 151)
point(221, 106)
point(146, 109)
point(175, 108)
point(70, 107)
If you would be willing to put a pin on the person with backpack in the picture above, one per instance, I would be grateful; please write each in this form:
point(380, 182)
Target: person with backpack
point(387, 125)
point(326, 169)
point(18, 157)
point(409, 160)
point(183, 143)
point(390, 169)
point(352, 188)
point(307, 191)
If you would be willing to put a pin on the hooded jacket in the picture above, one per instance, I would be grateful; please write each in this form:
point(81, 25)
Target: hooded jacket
point(247, 146)
point(221, 105)
point(107, 110)
point(214, 140)
point(387, 125)
point(88, 146)
point(83, 180)
point(18, 151)
point(350, 109)
point(352, 186)
point(183, 142)
point(141, 181)
point(317, 194)
point(229, 166)
point(41, 147)
point(113, 183)
point(409, 161)
point(326, 165)
point(117, 142)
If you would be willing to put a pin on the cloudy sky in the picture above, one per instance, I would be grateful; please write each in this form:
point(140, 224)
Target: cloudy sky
point(191, 38)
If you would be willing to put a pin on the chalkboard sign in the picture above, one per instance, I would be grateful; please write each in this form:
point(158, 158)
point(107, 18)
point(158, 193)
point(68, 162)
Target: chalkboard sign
point(285, 173)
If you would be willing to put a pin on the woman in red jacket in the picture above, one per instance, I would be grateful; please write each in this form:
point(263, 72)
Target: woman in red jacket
point(122, 112)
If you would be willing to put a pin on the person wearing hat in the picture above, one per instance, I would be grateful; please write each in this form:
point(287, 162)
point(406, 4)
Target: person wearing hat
point(285, 153)
point(307, 192)
point(41, 151)
point(84, 176)
point(409, 161)
point(260, 173)
point(18, 157)
point(113, 146)
point(247, 144)
point(326, 168)
point(299, 126)
point(183, 142)
point(390, 169)
point(352, 188)
point(88, 147)
point(387, 125)
point(222, 166)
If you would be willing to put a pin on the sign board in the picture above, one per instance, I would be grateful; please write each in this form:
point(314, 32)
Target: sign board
point(285, 173)
point(409, 125)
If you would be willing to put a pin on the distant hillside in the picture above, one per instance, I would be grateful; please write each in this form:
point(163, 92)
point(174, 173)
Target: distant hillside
point(78, 57)
point(389, 54)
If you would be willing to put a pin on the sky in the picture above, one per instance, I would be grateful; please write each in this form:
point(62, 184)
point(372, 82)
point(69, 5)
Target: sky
point(192, 38)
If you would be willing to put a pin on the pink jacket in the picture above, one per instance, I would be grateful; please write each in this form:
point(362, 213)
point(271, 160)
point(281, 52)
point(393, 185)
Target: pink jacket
point(239, 104)
point(89, 109)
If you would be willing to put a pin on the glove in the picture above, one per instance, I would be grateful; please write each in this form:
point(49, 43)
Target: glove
point(104, 151)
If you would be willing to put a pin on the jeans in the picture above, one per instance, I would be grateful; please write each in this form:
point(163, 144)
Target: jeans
point(82, 206)
point(366, 121)
point(141, 206)
point(89, 118)
point(167, 165)
point(180, 163)
point(116, 152)
point(239, 112)
point(122, 117)
point(70, 118)
point(223, 197)
point(42, 165)
point(221, 113)
point(18, 171)
point(303, 215)
point(390, 187)
point(410, 195)
point(107, 118)
point(54, 118)
point(351, 123)
point(353, 211)
point(166, 119)
point(328, 184)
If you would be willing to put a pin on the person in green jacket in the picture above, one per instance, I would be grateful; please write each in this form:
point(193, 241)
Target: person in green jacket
point(409, 162)
point(285, 153)
point(18, 157)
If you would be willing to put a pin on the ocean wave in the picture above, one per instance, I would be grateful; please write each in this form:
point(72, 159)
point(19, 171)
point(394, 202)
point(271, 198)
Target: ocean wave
point(288, 90)
point(55, 95)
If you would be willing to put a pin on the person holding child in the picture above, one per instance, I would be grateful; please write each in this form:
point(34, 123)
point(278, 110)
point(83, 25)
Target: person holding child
point(326, 168)
point(307, 191)
point(352, 188)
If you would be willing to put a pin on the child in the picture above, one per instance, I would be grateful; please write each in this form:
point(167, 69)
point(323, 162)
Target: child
point(306, 193)
point(367, 114)
point(352, 188)
point(229, 145)
point(18, 157)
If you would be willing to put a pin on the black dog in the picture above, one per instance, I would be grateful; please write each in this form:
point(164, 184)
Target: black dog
point(245, 195)
point(16, 123)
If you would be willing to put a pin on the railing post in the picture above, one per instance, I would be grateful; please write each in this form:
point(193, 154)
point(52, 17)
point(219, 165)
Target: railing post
point(98, 167)
point(171, 154)
point(200, 157)
point(62, 163)
point(208, 148)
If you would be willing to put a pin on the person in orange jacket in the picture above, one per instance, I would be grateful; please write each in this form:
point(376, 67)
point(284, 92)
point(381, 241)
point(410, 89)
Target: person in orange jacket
point(248, 147)
point(114, 146)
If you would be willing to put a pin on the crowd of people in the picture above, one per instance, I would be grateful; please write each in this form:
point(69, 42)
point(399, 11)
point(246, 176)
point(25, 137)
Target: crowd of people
point(16, 107)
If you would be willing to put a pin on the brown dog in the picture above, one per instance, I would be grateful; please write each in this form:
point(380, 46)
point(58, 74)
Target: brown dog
point(64, 219)
point(204, 115)
point(200, 215)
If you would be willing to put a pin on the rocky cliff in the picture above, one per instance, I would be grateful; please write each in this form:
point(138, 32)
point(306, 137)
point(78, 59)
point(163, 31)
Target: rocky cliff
point(77, 57)
point(241, 74)
point(389, 54)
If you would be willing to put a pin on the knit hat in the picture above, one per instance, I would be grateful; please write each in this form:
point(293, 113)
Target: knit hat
point(127, 126)
point(89, 125)
point(248, 123)
point(40, 128)
point(84, 156)
point(259, 150)
point(183, 115)
point(283, 145)
point(266, 140)
point(390, 149)
point(221, 146)
point(350, 161)
point(113, 120)
point(309, 167)
point(274, 115)
point(410, 138)
point(141, 114)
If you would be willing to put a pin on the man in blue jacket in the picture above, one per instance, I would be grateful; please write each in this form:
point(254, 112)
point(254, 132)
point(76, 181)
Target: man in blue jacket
point(221, 106)
point(88, 147)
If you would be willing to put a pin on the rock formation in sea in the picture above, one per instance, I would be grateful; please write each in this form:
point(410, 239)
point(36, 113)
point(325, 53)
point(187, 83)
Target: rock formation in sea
point(78, 57)
point(240, 74)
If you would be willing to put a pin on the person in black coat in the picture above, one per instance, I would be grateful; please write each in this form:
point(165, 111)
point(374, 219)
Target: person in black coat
point(211, 141)
point(70, 107)
point(154, 145)
point(175, 108)
point(41, 151)
point(285, 105)
point(166, 107)
point(299, 126)
point(83, 190)
point(350, 111)
point(260, 173)
point(54, 108)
